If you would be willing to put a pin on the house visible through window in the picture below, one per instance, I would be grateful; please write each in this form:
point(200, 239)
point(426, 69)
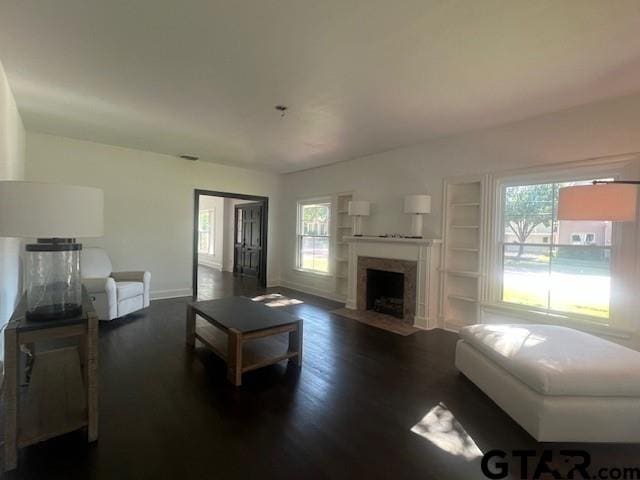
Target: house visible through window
point(313, 236)
point(551, 264)
point(205, 232)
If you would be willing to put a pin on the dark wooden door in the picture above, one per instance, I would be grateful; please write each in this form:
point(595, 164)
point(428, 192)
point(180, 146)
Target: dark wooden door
point(248, 239)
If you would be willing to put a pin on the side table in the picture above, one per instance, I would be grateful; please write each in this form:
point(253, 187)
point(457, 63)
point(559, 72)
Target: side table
point(62, 394)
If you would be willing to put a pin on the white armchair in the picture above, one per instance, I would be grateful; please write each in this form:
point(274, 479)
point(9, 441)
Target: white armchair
point(114, 294)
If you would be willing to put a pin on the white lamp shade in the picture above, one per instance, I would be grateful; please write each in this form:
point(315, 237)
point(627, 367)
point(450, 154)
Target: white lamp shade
point(359, 207)
point(417, 204)
point(615, 202)
point(48, 210)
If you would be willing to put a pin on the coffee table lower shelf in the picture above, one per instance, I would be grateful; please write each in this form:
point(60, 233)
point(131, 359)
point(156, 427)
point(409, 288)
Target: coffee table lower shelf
point(248, 353)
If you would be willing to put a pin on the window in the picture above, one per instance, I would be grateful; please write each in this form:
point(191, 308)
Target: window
point(205, 232)
point(313, 236)
point(550, 264)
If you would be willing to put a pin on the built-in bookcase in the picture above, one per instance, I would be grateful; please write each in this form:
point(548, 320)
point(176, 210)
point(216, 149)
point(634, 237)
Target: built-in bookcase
point(463, 245)
point(341, 248)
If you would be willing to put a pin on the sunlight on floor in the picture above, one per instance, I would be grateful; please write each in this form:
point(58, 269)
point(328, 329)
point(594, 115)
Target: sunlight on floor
point(441, 428)
point(276, 300)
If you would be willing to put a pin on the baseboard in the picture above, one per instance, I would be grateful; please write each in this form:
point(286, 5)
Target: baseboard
point(273, 282)
point(204, 263)
point(311, 291)
point(162, 294)
point(423, 323)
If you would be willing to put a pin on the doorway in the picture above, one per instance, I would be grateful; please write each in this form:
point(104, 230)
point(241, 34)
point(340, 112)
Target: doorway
point(229, 238)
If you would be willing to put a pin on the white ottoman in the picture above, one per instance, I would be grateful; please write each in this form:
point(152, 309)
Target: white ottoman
point(559, 384)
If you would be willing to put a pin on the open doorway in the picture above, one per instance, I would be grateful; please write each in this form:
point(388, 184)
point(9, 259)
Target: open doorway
point(229, 242)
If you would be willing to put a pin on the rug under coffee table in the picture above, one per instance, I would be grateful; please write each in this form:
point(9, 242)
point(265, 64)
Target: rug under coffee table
point(237, 330)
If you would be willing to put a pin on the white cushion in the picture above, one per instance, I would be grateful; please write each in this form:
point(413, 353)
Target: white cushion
point(129, 290)
point(555, 360)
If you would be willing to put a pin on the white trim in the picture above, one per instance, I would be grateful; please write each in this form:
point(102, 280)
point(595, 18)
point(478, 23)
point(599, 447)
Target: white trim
point(208, 263)
point(311, 291)
point(327, 200)
point(175, 293)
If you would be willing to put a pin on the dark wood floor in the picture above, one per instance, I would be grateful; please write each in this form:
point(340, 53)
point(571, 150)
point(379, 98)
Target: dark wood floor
point(167, 412)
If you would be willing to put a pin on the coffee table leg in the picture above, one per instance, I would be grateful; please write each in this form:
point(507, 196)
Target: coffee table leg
point(191, 326)
point(295, 344)
point(234, 360)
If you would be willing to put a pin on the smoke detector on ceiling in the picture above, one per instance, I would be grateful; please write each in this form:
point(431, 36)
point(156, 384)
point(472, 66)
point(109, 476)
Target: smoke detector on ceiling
point(193, 158)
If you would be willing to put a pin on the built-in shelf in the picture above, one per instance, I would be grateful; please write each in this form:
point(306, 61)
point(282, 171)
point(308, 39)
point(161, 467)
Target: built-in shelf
point(342, 232)
point(463, 224)
point(462, 273)
point(463, 298)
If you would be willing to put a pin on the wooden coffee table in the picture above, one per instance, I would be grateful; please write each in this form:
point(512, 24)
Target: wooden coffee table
point(237, 329)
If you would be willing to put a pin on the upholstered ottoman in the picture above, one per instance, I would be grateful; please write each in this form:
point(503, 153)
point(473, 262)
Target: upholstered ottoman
point(559, 384)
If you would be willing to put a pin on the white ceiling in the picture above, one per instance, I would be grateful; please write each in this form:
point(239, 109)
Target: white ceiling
point(359, 76)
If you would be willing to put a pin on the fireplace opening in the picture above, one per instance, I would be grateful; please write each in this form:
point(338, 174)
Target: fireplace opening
point(385, 292)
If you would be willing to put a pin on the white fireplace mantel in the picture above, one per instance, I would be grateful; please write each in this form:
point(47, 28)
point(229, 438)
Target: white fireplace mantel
point(424, 251)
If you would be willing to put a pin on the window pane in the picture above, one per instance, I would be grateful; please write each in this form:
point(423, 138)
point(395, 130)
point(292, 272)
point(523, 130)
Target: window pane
point(528, 213)
point(315, 220)
point(580, 280)
point(525, 279)
point(321, 254)
point(306, 253)
point(203, 221)
point(558, 265)
point(203, 242)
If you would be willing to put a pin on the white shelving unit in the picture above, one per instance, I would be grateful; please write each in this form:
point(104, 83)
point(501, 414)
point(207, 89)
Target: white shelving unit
point(462, 258)
point(341, 248)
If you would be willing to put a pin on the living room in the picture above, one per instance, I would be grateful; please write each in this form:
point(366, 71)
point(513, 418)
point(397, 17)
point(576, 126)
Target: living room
point(421, 198)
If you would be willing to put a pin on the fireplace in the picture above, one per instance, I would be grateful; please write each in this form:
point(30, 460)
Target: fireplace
point(385, 292)
point(388, 286)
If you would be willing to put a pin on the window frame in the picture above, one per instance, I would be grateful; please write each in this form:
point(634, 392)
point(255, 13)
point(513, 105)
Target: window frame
point(211, 250)
point(494, 266)
point(299, 235)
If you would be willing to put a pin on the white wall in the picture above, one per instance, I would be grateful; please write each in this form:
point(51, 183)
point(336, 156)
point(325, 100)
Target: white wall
point(216, 204)
point(149, 202)
point(599, 129)
point(12, 161)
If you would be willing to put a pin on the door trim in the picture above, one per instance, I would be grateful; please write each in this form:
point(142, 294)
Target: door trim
point(264, 201)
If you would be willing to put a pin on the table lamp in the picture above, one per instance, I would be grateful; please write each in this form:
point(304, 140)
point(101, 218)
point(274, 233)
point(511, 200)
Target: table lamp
point(55, 215)
point(358, 209)
point(417, 205)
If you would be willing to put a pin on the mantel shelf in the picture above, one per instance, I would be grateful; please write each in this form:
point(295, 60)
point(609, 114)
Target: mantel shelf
point(415, 241)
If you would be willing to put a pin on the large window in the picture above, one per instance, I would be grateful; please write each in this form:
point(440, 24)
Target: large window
point(313, 236)
point(550, 264)
point(205, 232)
